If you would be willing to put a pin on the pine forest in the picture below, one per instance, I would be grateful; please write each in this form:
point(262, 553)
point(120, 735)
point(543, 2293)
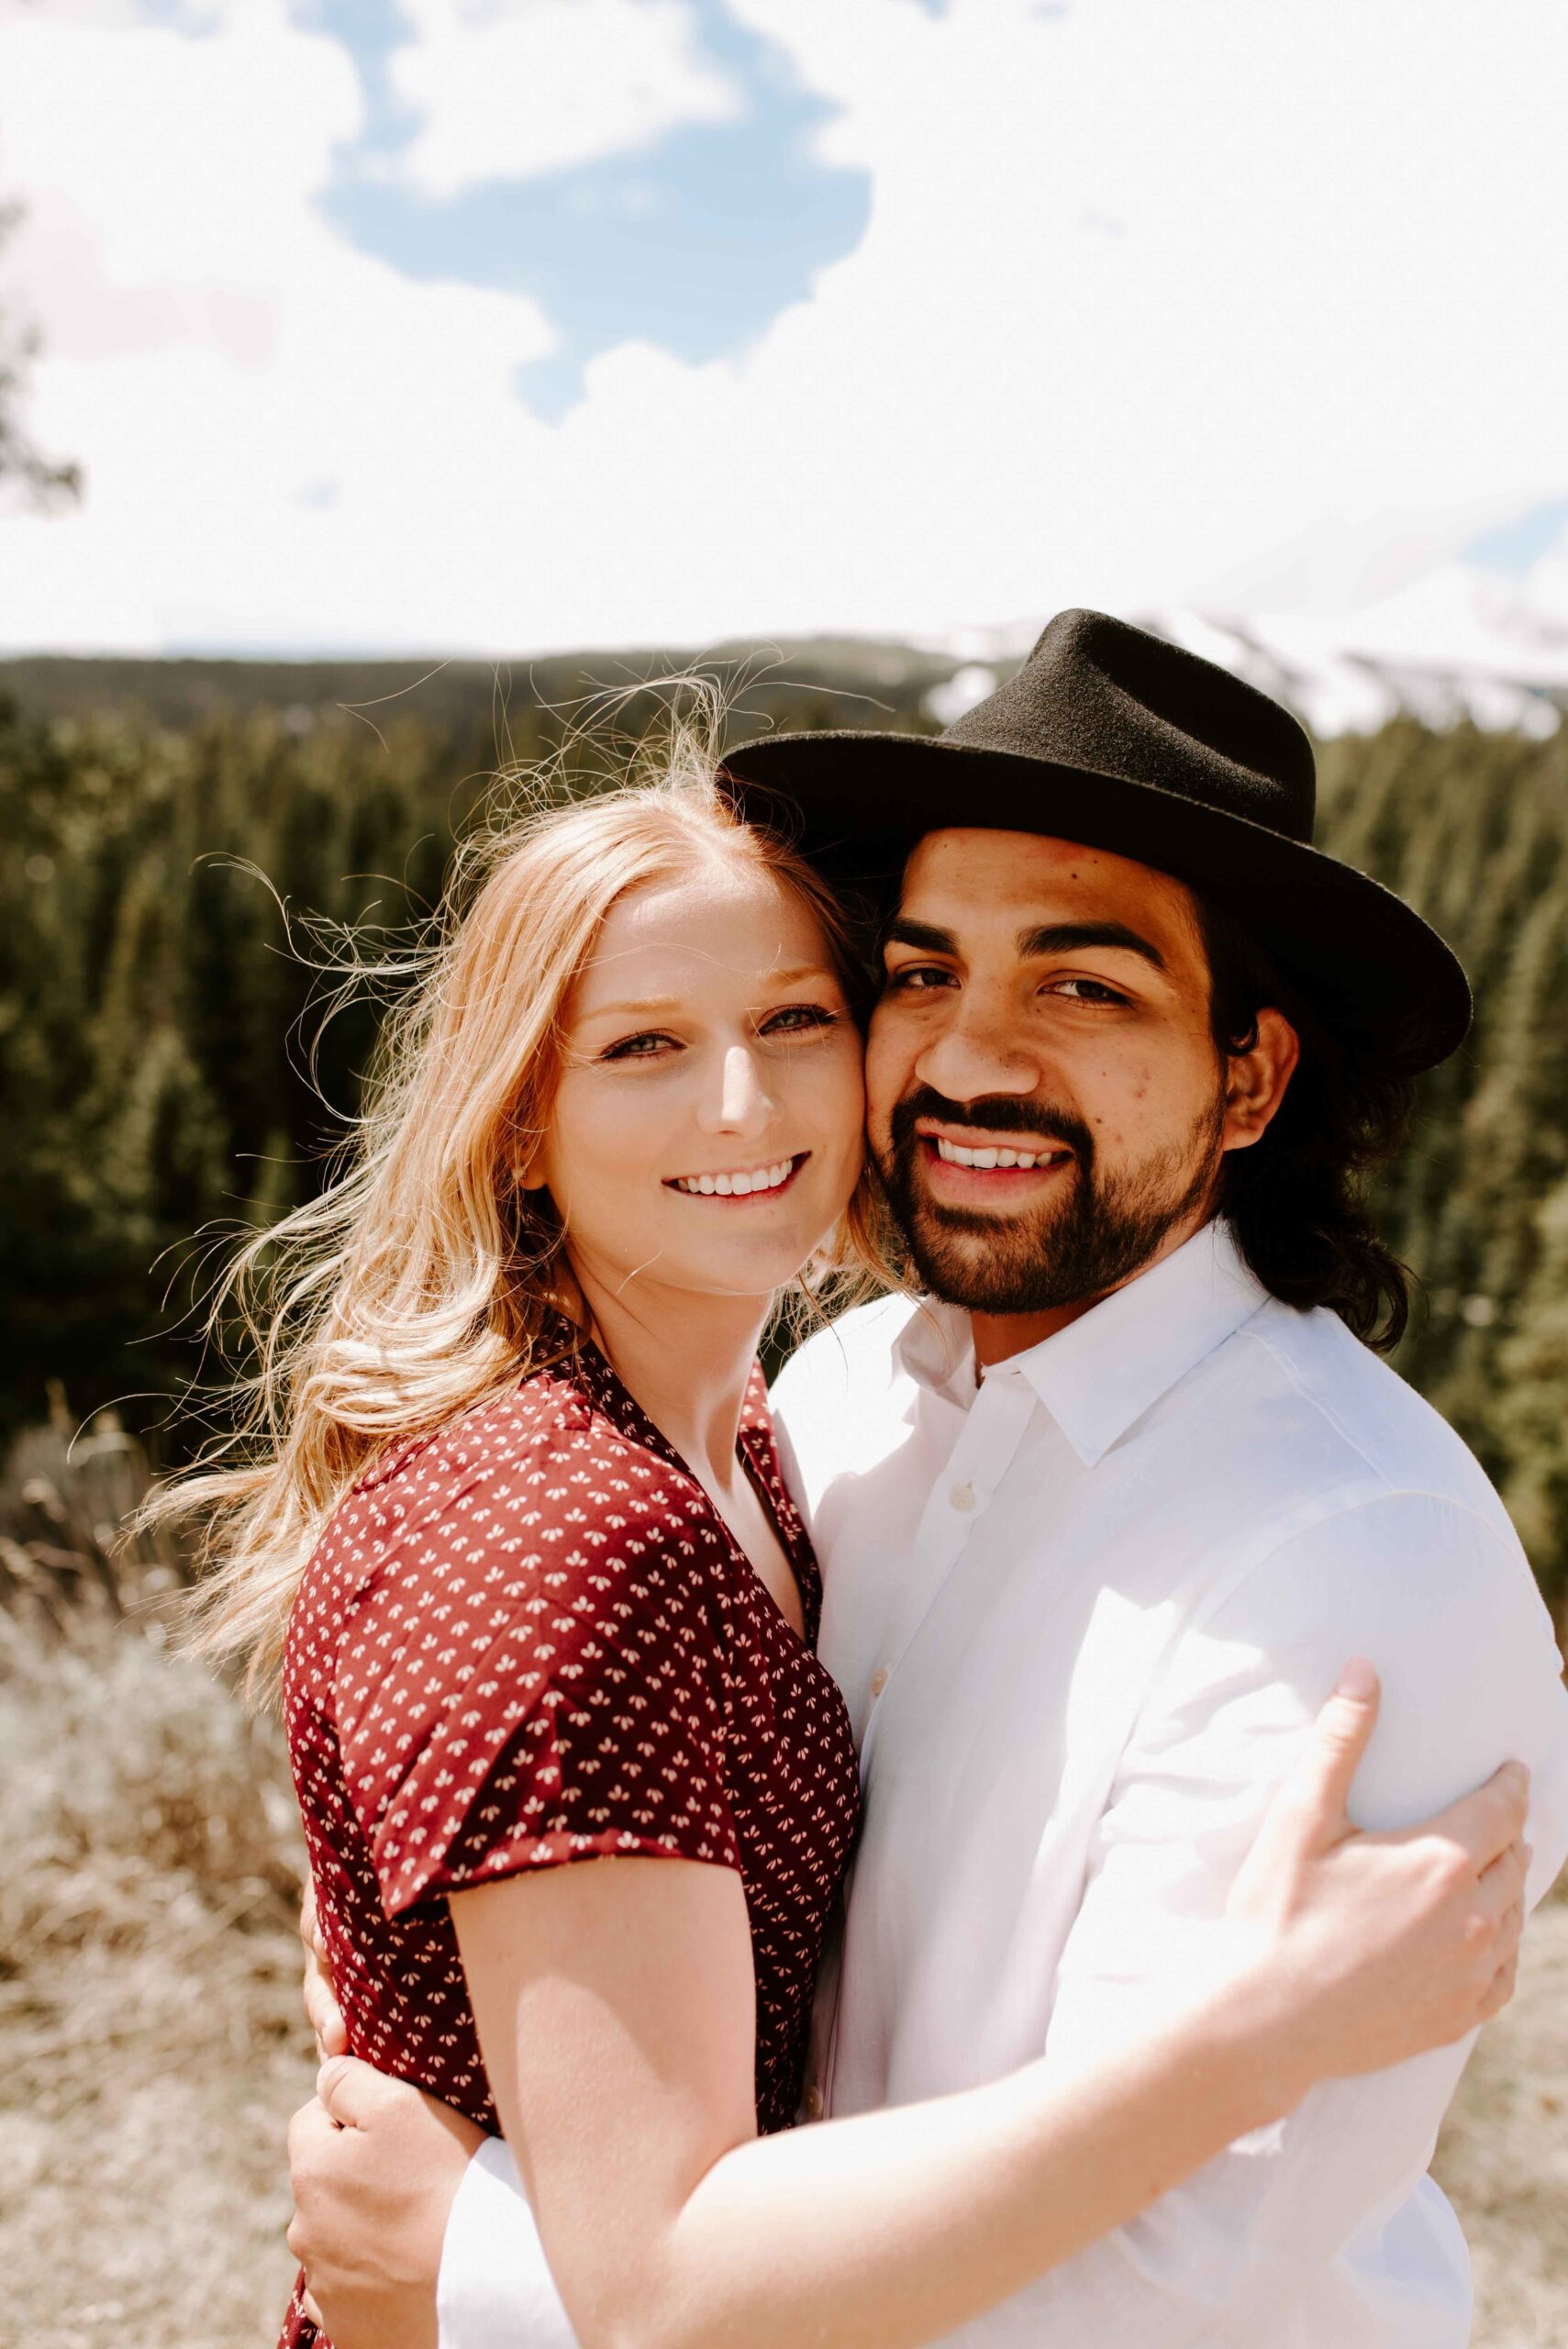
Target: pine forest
point(165, 1078)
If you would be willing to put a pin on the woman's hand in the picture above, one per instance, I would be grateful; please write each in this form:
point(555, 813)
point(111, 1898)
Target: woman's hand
point(1375, 1948)
point(375, 2165)
point(322, 2011)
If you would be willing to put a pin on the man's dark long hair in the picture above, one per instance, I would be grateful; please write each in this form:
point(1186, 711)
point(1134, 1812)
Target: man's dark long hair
point(1297, 1200)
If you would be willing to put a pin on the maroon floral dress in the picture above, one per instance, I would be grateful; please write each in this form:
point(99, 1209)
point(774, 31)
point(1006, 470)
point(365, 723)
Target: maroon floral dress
point(529, 1638)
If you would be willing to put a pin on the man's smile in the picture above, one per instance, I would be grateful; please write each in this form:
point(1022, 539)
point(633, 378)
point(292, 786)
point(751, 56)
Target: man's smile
point(985, 1167)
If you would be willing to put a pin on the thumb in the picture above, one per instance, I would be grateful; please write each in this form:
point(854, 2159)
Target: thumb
point(1317, 1791)
point(348, 2090)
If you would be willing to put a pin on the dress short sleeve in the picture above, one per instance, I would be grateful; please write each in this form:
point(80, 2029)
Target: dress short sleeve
point(534, 1673)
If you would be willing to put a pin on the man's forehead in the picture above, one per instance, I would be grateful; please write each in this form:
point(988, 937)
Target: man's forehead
point(980, 875)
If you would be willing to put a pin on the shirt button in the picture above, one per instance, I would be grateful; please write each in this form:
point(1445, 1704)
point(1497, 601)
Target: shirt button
point(879, 1680)
point(962, 1496)
point(814, 2101)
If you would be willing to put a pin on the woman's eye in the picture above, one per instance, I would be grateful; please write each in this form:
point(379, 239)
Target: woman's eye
point(794, 1019)
point(636, 1048)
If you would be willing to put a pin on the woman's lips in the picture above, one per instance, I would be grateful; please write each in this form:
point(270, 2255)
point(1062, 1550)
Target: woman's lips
point(741, 1185)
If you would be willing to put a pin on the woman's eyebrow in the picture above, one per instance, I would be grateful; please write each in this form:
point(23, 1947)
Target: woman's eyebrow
point(799, 971)
point(652, 1003)
point(1073, 937)
point(655, 1004)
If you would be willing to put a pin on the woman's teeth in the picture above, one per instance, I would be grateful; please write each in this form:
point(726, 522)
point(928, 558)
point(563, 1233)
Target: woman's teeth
point(737, 1187)
point(956, 1155)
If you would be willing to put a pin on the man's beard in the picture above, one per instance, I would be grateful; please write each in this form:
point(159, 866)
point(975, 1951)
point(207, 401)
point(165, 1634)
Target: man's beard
point(1092, 1233)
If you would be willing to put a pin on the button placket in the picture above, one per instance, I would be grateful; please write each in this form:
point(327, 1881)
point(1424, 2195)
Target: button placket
point(990, 1437)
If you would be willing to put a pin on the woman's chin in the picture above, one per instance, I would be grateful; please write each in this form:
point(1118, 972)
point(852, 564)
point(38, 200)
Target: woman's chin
point(735, 1264)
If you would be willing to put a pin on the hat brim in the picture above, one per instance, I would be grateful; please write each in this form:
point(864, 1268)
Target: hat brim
point(856, 803)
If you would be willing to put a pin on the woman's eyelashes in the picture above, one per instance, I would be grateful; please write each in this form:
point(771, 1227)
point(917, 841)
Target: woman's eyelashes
point(789, 1020)
point(797, 1018)
point(636, 1048)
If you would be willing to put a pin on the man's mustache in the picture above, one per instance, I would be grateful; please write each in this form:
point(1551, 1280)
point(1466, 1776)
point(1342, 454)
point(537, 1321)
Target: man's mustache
point(1003, 1114)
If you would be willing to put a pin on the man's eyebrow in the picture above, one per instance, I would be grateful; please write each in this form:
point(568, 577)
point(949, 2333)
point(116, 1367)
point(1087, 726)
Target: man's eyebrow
point(924, 936)
point(1073, 937)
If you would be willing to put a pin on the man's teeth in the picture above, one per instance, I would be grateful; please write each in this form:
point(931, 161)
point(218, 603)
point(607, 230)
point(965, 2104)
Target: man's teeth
point(737, 1186)
point(956, 1155)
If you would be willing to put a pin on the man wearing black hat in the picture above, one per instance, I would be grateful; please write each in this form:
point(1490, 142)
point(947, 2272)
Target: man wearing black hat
point(1102, 1515)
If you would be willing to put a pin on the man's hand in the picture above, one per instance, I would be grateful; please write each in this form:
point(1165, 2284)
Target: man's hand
point(375, 2165)
point(322, 2011)
point(1385, 1945)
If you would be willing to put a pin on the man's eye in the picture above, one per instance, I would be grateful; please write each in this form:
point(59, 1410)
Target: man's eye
point(1087, 991)
point(795, 1018)
point(636, 1048)
point(914, 978)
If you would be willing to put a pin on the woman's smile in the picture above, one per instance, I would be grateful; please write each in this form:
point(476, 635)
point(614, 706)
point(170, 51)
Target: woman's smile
point(742, 1183)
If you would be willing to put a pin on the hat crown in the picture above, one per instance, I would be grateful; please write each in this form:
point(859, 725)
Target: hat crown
point(1097, 695)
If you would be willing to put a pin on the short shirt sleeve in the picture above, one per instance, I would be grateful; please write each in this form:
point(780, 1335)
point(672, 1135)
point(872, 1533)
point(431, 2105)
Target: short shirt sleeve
point(534, 1675)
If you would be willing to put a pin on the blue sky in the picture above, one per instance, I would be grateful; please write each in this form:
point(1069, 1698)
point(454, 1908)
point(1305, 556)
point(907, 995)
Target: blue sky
point(1514, 546)
point(694, 243)
point(505, 324)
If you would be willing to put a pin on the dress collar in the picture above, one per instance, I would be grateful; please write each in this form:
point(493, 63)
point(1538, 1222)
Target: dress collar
point(1105, 1370)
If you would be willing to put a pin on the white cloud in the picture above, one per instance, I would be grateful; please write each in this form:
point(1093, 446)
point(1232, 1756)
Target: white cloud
point(505, 92)
point(1248, 308)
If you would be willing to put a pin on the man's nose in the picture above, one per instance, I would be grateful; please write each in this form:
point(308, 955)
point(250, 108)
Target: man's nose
point(981, 1049)
point(740, 1102)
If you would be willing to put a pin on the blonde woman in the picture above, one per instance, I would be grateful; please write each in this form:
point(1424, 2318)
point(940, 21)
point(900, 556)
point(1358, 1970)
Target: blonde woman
point(577, 1793)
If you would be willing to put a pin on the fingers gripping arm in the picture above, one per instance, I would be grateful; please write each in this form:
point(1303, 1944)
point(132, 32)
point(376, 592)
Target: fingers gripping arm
point(318, 1991)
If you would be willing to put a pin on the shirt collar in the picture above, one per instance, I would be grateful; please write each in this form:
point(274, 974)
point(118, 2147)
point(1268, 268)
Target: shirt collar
point(1101, 1374)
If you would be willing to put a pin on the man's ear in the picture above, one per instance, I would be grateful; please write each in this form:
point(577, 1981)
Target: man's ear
point(1256, 1080)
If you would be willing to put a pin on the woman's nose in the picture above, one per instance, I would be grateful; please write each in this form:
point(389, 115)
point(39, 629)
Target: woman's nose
point(741, 1103)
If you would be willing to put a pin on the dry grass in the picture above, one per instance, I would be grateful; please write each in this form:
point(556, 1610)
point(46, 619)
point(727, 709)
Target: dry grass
point(151, 2046)
point(151, 2041)
point(1503, 2160)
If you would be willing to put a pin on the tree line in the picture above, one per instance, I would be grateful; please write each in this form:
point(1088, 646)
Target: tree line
point(156, 1024)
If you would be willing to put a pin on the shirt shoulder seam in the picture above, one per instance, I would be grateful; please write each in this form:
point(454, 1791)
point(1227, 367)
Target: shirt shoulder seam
point(1324, 1410)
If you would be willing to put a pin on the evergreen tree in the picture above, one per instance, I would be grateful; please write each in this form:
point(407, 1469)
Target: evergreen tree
point(156, 1016)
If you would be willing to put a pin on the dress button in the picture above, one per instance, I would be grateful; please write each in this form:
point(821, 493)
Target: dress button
point(962, 1496)
point(879, 1680)
point(814, 2101)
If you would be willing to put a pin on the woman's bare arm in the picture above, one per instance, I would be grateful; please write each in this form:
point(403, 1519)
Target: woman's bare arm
point(615, 2004)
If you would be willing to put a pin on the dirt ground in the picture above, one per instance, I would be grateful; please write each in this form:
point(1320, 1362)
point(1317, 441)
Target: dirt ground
point(1503, 2159)
point(151, 2048)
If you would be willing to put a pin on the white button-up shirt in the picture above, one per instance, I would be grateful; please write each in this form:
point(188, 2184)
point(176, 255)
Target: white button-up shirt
point(1083, 1610)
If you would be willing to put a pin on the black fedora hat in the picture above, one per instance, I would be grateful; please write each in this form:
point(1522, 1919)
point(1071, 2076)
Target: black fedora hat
point(1114, 738)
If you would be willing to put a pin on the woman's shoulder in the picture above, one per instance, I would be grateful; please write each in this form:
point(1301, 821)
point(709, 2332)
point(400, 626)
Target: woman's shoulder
point(528, 1613)
point(522, 1421)
point(547, 1475)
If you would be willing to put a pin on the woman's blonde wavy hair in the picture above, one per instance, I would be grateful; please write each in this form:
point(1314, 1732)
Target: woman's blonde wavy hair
point(423, 1279)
